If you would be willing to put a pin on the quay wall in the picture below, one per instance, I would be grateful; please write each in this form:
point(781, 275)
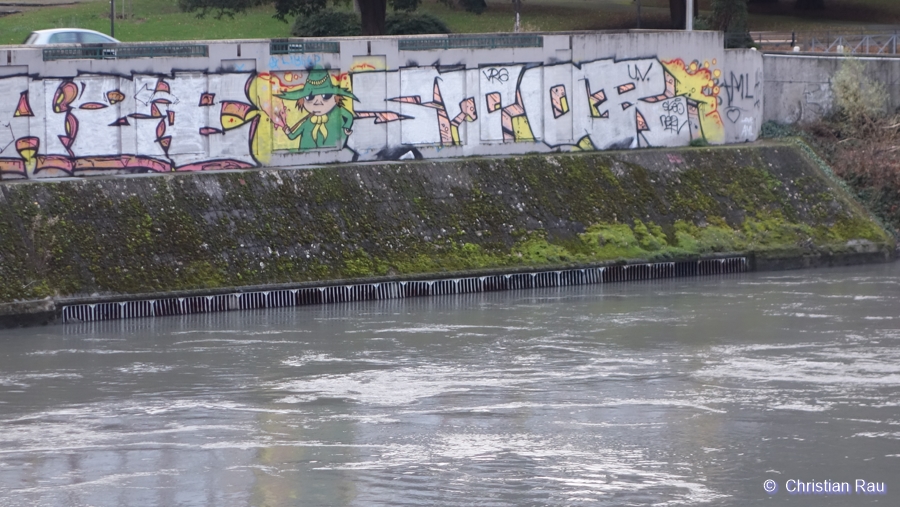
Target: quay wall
point(300, 163)
point(126, 237)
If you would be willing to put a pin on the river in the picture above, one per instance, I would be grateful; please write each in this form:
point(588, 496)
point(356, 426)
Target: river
point(672, 392)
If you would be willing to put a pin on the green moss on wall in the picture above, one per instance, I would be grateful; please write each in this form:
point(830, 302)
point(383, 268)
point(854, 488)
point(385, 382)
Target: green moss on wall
point(197, 231)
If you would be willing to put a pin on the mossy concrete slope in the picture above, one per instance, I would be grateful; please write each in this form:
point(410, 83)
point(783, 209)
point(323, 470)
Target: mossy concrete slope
point(139, 235)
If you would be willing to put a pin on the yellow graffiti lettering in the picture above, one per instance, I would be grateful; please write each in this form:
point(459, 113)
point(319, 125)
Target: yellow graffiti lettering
point(698, 84)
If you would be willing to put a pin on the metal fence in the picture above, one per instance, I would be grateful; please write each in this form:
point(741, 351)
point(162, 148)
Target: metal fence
point(471, 42)
point(121, 51)
point(287, 46)
point(782, 41)
point(866, 44)
point(818, 42)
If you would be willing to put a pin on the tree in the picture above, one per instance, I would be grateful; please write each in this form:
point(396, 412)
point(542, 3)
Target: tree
point(219, 8)
point(372, 12)
point(810, 5)
point(677, 9)
point(730, 16)
point(517, 6)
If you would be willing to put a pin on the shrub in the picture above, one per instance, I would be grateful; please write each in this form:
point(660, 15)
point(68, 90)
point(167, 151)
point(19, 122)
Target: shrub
point(475, 6)
point(858, 99)
point(327, 23)
point(405, 5)
point(411, 23)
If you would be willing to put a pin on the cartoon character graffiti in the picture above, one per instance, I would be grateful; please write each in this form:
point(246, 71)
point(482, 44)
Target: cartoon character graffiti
point(326, 121)
point(699, 83)
point(111, 124)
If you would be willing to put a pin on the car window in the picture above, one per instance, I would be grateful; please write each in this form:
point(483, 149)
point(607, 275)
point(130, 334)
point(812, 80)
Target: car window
point(94, 38)
point(64, 38)
point(31, 38)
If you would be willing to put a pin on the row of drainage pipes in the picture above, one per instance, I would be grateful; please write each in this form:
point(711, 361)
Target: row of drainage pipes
point(89, 312)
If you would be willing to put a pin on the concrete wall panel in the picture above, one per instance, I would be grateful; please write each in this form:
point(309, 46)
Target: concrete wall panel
point(798, 87)
point(243, 107)
point(741, 89)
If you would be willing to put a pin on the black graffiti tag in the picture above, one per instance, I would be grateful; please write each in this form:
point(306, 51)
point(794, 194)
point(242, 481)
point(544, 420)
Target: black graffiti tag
point(495, 74)
point(737, 85)
point(669, 123)
point(635, 73)
point(674, 107)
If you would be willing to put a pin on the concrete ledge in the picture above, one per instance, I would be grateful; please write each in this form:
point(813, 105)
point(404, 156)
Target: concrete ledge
point(823, 260)
point(29, 313)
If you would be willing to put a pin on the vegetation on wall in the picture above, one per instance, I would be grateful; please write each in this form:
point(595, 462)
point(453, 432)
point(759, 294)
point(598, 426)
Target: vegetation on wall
point(859, 100)
point(216, 230)
point(859, 140)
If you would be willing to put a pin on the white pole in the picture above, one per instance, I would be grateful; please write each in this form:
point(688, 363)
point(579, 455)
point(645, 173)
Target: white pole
point(689, 16)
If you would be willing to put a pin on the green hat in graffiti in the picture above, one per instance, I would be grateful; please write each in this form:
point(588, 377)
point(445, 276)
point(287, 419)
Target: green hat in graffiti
point(318, 82)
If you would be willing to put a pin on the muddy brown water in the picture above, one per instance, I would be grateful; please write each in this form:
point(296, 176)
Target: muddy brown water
point(674, 392)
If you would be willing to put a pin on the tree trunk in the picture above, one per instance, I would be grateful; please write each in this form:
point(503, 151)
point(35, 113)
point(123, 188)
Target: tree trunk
point(372, 13)
point(677, 9)
point(811, 5)
point(517, 6)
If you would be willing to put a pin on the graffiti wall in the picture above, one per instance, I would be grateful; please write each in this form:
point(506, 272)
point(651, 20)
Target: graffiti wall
point(308, 110)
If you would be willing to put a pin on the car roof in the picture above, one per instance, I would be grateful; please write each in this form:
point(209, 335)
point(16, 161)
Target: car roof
point(59, 30)
point(47, 36)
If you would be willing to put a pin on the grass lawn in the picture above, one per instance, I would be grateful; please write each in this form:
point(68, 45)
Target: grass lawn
point(148, 20)
point(161, 20)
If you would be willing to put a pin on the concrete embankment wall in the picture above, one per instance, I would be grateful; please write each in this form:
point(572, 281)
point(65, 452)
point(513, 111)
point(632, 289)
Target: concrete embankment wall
point(244, 104)
point(798, 87)
point(124, 237)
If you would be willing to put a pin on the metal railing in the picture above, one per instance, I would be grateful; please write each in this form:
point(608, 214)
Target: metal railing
point(819, 42)
point(783, 41)
point(121, 51)
point(286, 47)
point(78, 53)
point(867, 44)
point(472, 42)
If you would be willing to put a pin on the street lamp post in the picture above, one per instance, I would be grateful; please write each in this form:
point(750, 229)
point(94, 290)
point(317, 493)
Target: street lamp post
point(689, 16)
point(112, 18)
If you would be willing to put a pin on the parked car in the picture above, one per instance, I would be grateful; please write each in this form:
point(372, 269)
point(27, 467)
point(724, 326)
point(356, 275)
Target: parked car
point(68, 36)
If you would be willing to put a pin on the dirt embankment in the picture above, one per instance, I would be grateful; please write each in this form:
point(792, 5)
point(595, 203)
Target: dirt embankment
point(867, 157)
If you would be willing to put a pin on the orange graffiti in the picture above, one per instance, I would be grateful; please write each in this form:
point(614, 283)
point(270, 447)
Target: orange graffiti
point(64, 96)
point(700, 84)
